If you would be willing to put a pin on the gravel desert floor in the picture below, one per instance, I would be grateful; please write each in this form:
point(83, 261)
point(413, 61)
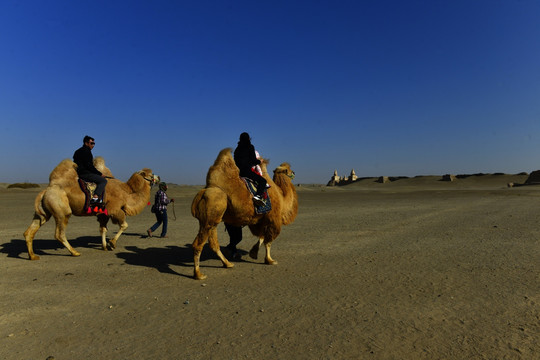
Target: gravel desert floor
point(414, 269)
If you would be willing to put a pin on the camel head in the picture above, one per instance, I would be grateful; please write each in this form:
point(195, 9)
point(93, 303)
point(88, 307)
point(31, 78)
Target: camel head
point(149, 176)
point(284, 168)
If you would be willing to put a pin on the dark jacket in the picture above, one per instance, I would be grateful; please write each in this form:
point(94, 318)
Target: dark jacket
point(244, 156)
point(85, 161)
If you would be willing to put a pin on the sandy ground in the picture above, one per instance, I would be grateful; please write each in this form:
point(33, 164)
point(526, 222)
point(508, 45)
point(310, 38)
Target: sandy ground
point(414, 269)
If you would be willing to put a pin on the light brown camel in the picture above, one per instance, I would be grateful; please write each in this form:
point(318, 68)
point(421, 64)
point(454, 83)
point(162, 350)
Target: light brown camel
point(64, 197)
point(226, 198)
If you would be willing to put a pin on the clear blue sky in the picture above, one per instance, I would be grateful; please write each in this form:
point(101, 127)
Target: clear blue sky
point(385, 87)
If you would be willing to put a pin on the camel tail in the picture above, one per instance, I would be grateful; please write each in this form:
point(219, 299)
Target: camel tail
point(40, 212)
point(195, 209)
point(209, 205)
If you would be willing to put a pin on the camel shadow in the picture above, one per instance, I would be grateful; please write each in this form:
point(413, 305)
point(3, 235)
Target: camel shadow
point(16, 248)
point(161, 258)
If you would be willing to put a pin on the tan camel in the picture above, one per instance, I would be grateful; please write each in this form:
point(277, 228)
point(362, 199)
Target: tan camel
point(63, 198)
point(226, 198)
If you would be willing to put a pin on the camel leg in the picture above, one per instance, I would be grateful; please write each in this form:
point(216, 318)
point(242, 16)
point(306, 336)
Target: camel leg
point(60, 234)
point(103, 232)
point(206, 233)
point(254, 252)
point(29, 234)
point(208, 207)
point(268, 259)
point(214, 245)
point(103, 220)
point(123, 226)
point(198, 245)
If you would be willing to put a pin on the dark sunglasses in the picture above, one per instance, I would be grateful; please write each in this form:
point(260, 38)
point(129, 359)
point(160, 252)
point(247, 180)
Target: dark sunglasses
point(92, 143)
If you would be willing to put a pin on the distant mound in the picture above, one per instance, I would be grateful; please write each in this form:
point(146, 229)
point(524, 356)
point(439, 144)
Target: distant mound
point(22, 186)
point(534, 178)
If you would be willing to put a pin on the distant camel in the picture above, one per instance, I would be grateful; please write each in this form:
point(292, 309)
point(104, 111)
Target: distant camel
point(64, 197)
point(226, 198)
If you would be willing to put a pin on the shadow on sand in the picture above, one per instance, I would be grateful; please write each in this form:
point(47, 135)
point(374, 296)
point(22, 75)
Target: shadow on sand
point(16, 248)
point(161, 258)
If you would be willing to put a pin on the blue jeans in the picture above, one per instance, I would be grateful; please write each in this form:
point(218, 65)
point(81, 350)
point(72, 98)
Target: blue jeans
point(161, 217)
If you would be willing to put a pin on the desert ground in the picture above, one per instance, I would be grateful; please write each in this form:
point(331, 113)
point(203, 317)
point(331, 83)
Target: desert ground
point(414, 269)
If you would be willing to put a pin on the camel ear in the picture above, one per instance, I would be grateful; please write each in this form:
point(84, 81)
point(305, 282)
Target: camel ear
point(145, 172)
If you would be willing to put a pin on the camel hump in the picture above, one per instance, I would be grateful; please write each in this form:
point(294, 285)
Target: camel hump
point(64, 173)
point(224, 157)
point(99, 163)
point(223, 170)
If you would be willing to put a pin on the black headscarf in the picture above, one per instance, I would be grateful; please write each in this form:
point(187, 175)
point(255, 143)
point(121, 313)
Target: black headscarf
point(244, 155)
point(244, 138)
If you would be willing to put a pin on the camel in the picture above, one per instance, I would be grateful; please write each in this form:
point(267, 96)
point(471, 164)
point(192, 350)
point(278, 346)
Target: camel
point(63, 198)
point(226, 198)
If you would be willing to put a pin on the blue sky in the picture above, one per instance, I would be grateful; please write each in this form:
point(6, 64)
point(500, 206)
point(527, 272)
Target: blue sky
point(388, 88)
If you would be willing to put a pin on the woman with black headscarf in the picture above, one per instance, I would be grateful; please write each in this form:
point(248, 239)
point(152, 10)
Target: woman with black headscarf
point(245, 158)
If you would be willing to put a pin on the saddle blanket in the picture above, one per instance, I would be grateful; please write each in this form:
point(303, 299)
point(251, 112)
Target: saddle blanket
point(88, 189)
point(252, 187)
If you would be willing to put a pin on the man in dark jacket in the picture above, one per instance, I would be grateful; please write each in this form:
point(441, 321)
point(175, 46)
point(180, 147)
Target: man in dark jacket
point(86, 170)
point(245, 158)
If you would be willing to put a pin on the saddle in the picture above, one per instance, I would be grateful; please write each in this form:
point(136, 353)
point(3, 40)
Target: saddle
point(88, 189)
point(252, 187)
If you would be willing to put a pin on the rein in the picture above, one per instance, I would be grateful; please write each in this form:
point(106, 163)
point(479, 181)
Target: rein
point(174, 213)
point(151, 180)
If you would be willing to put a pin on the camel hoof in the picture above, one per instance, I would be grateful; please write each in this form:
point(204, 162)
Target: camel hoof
point(76, 253)
point(228, 265)
point(34, 257)
point(270, 262)
point(112, 245)
point(199, 276)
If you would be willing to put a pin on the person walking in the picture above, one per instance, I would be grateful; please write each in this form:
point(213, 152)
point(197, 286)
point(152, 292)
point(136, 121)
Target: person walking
point(235, 237)
point(160, 210)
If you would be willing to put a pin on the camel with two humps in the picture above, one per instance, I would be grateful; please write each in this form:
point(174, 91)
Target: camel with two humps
point(226, 198)
point(63, 198)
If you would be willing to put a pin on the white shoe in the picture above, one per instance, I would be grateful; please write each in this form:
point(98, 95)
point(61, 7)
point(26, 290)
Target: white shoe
point(258, 200)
